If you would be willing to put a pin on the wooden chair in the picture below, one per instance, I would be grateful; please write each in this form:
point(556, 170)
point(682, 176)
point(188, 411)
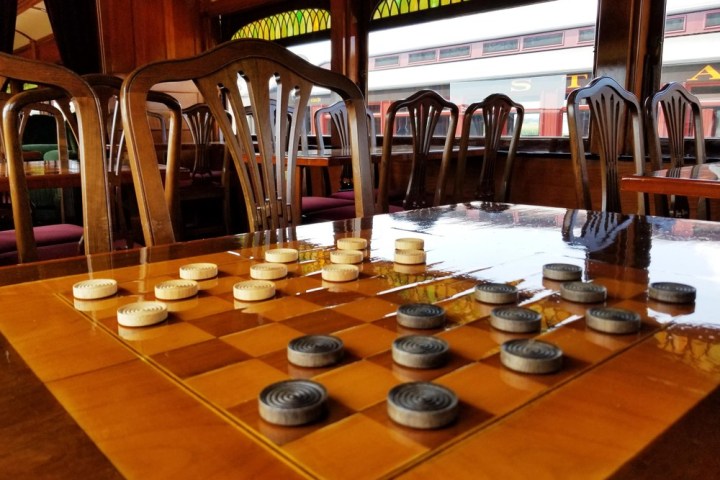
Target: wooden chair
point(424, 110)
point(497, 117)
point(107, 88)
point(97, 229)
point(272, 199)
point(614, 113)
point(680, 109)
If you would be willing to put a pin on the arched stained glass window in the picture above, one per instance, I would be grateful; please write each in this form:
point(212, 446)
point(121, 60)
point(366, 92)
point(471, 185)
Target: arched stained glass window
point(391, 8)
point(286, 24)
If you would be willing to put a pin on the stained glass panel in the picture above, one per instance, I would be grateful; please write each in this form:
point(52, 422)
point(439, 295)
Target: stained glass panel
point(391, 8)
point(286, 24)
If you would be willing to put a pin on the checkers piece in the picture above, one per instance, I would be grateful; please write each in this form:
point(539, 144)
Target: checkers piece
point(340, 273)
point(515, 319)
point(198, 271)
point(315, 351)
point(531, 356)
point(95, 288)
point(421, 315)
point(141, 314)
point(612, 320)
point(410, 257)
point(420, 351)
point(563, 272)
point(671, 292)
point(253, 290)
point(351, 257)
point(352, 243)
point(422, 405)
point(292, 402)
point(176, 289)
point(281, 255)
point(496, 293)
point(583, 292)
point(409, 243)
point(268, 271)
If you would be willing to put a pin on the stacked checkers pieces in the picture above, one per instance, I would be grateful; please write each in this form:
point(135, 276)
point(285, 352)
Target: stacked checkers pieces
point(261, 286)
point(350, 252)
point(410, 251)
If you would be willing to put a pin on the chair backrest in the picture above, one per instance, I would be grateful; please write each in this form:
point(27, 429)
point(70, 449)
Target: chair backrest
point(229, 77)
point(201, 123)
point(66, 85)
point(47, 110)
point(338, 116)
point(614, 112)
point(498, 118)
point(424, 111)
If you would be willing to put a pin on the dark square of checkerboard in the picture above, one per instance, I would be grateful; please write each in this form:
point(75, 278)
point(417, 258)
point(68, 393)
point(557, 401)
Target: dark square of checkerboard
point(199, 358)
point(279, 361)
point(280, 435)
point(469, 417)
point(231, 321)
point(325, 321)
point(408, 374)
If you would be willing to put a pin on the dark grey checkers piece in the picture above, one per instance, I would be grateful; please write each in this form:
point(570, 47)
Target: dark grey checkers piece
point(671, 292)
point(563, 272)
point(531, 356)
point(292, 402)
point(315, 351)
point(422, 405)
point(515, 319)
point(583, 292)
point(496, 293)
point(612, 320)
point(420, 351)
point(421, 315)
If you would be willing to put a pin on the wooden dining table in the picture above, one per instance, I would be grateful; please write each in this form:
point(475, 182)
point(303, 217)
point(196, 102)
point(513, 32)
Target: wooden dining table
point(691, 181)
point(83, 397)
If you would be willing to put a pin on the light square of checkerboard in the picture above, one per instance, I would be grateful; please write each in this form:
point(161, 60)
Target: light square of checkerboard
point(356, 444)
point(263, 339)
point(368, 309)
point(247, 378)
point(358, 385)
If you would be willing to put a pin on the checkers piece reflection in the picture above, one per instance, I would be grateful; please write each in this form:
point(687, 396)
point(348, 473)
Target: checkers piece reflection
point(531, 356)
point(351, 257)
point(315, 351)
point(583, 292)
point(292, 402)
point(612, 320)
point(281, 255)
point(496, 293)
point(420, 351)
point(563, 272)
point(422, 405)
point(142, 314)
point(671, 292)
point(198, 271)
point(421, 315)
point(94, 289)
point(515, 319)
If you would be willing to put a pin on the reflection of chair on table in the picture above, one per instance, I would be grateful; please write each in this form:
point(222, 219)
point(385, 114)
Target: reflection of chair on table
point(272, 199)
point(613, 113)
point(677, 106)
point(97, 231)
point(426, 112)
point(499, 115)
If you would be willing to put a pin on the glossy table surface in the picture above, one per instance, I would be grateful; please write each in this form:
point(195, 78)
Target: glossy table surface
point(81, 394)
point(691, 180)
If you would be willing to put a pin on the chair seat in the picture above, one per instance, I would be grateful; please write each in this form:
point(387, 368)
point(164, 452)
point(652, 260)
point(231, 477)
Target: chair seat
point(314, 204)
point(45, 235)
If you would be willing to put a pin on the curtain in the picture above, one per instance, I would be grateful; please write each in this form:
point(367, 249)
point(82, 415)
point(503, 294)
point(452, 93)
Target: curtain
point(74, 23)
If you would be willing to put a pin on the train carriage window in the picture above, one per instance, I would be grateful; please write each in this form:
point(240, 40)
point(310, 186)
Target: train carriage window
point(712, 20)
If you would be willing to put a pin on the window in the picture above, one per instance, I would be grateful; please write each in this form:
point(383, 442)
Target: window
point(712, 20)
point(454, 52)
point(501, 46)
point(586, 35)
point(390, 61)
point(676, 24)
point(546, 40)
point(421, 57)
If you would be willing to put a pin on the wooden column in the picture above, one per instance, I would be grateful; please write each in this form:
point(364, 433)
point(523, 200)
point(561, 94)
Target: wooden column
point(628, 43)
point(349, 22)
